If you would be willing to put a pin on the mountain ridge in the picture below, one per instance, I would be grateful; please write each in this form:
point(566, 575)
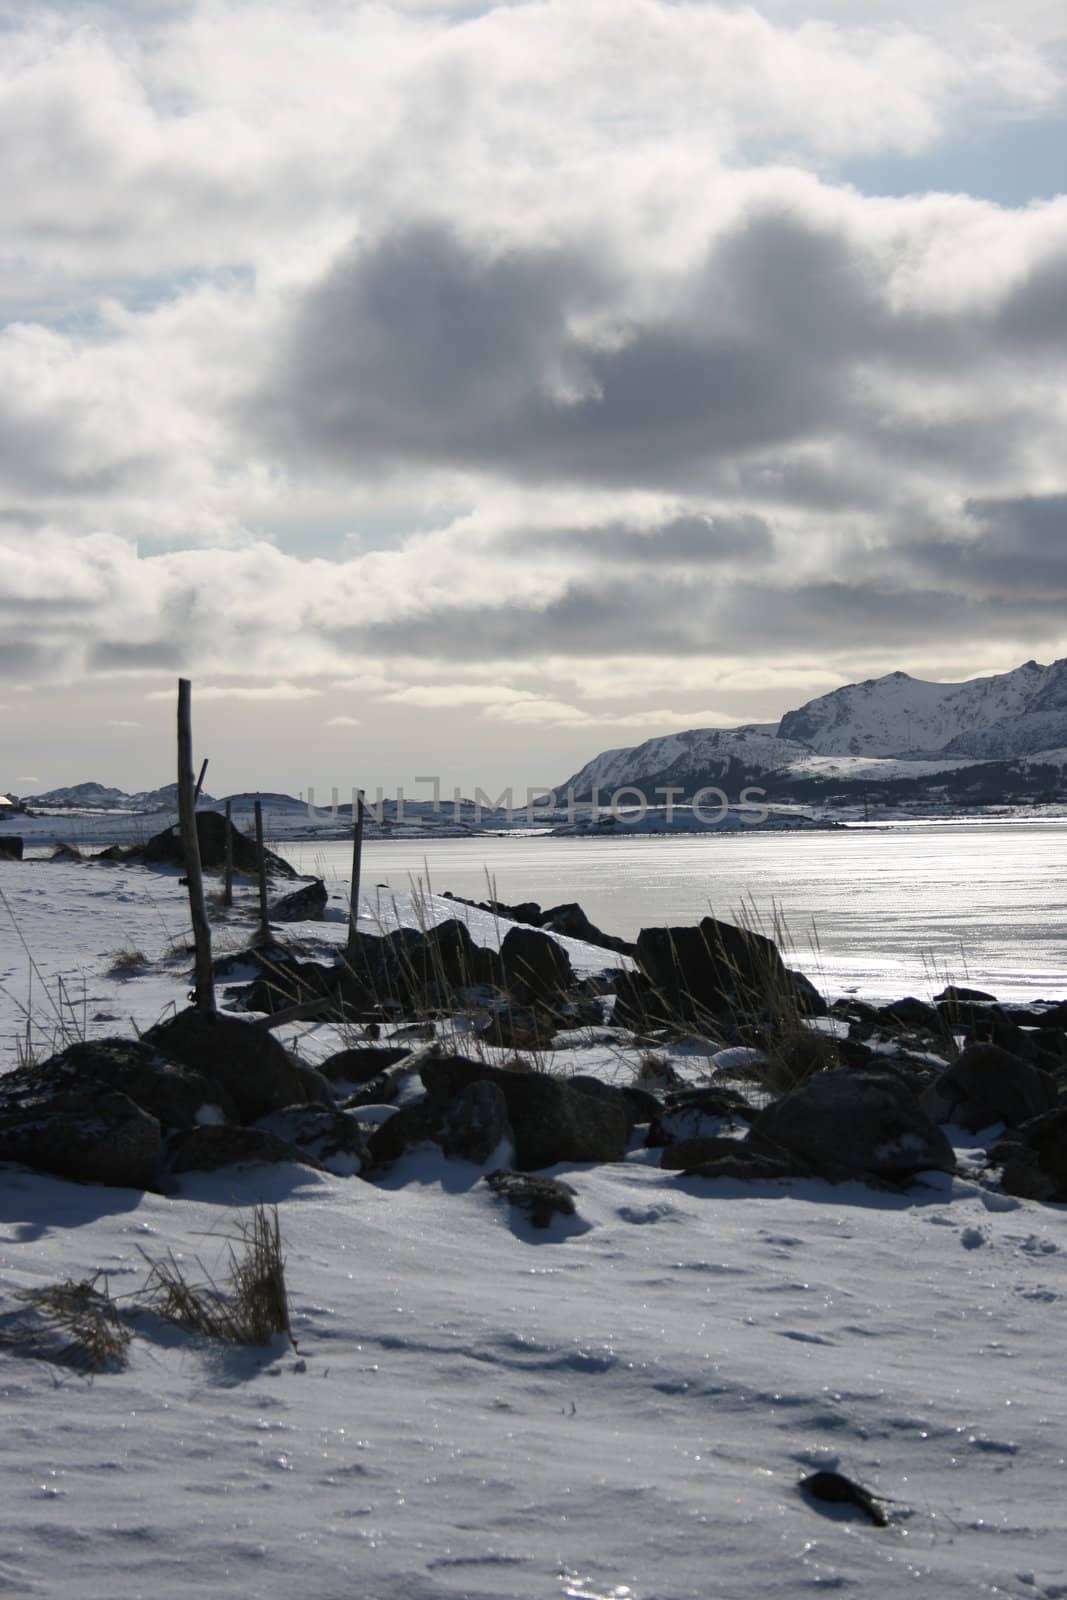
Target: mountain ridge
point(907, 723)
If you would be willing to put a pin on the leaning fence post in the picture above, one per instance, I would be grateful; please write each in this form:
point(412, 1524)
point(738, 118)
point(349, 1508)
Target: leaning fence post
point(205, 984)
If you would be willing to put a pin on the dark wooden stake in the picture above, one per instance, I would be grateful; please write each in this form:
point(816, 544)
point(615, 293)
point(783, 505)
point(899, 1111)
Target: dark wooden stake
point(205, 985)
point(200, 780)
point(357, 866)
point(264, 923)
point(227, 883)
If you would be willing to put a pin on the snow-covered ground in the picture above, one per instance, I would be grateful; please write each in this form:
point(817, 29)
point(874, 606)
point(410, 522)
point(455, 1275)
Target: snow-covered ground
point(621, 1407)
point(617, 1409)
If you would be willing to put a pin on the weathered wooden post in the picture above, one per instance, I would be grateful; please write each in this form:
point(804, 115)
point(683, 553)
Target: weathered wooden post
point(200, 780)
point(264, 921)
point(227, 883)
point(357, 863)
point(204, 985)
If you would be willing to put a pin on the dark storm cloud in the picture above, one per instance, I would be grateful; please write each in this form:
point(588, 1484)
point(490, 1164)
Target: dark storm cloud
point(1020, 548)
point(421, 350)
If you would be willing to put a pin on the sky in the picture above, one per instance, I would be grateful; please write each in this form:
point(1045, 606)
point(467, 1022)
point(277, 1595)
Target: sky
point(462, 389)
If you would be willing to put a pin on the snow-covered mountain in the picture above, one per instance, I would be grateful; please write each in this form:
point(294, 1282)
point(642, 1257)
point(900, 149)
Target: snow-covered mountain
point(897, 720)
point(98, 797)
point(688, 760)
point(1011, 714)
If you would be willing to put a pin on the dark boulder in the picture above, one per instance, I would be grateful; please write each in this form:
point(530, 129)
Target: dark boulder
point(302, 905)
point(536, 966)
point(551, 1121)
point(54, 1120)
point(911, 1013)
point(409, 1127)
point(208, 1149)
point(571, 921)
point(746, 1165)
point(331, 1138)
point(863, 1123)
point(177, 1096)
point(953, 993)
point(718, 968)
point(986, 1085)
point(540, 1199)
point(10, 847)
point(475, 1125)
point(285, 980)
point(1034, 1158)
point(245, 1060)
point(690, 1114)
point(361, 1063)
point(165, 849)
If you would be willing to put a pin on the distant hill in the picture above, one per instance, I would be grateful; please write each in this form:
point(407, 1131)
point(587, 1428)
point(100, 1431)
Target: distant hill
point(98, 797)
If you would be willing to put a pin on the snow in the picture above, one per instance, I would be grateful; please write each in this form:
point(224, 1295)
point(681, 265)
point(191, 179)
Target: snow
point(620, 1407)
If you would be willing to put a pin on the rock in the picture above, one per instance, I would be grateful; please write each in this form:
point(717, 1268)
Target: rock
point(361, 1063)
point(332, 1139)
point(54, 1120)
point(638, 1004)
point(810, 1002)
point(911, 1013)
point(302, 905)
point(691, 1114)
point(746, 1165)
point(797, 1054)
point(10, 847)
point(551, 1121)
point(571, 921)
point(318, 1090)
point(536, 966)
point(519, 1028)
point(955, 992)
point(208, 1149)
point(982, 1022)
point(476, 1125)
point(686, 1155)
point(66, 852)
point(177, 1096)
point(631, 1103)
point(986, 1085)
point(1034, 1158)
point(285, 980)
point(165, 849)
point(717, 968)
point(406, 1129)
point(247, 1061)
point(863, 1123)
point(540, 1199)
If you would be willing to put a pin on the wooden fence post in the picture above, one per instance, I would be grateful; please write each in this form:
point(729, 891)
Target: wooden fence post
point(205, 983)
point(357, 864)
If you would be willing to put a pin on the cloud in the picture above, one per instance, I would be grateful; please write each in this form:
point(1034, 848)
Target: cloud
point(342, 722)
point(120, 722)
point(279, 692)
point(562, 321)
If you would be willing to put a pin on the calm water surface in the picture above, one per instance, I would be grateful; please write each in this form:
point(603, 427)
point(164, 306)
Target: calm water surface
point(881, 910)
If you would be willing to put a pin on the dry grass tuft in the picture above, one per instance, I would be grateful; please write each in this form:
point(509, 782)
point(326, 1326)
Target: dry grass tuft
point(75, 1324)
point(251, 1309)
